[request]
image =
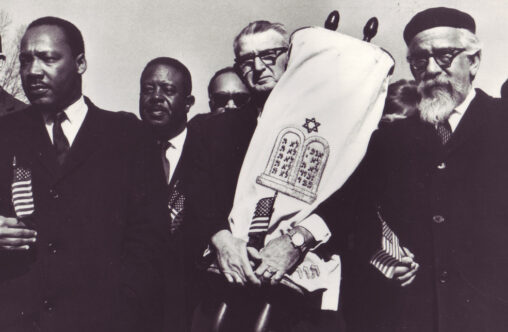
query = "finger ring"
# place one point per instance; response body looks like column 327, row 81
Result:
column 271, row 269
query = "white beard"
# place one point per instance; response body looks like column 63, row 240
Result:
column 438, row 101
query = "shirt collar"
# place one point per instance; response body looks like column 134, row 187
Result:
column 178, row 141
column 75, row 112
column 465, row 104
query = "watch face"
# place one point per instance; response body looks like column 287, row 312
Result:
column 297, row 239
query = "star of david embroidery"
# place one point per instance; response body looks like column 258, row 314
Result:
column 311, row 125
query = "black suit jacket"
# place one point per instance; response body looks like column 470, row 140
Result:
column 9, row 104
column 96, row 265
column 448, row 206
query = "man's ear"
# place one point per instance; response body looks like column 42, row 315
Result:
column 189, row 101
column 81, row 63
column 475, row 63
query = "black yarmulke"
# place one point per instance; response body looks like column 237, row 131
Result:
column 438, row 17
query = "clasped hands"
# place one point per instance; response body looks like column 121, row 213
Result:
column 405, row 272
column 244, row 265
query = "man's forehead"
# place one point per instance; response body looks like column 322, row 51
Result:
column 228, row 82
column 50, row 34
column 436, row 38
column 162, row 72
column 260, row 41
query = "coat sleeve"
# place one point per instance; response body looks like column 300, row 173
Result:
column 145, row 235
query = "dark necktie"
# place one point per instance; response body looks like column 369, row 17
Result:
column 444, row 132
column 60, row 142
column 164, row 146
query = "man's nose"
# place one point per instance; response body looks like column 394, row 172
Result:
column 156, row 95
column 35, row 68
column 230, row 105
column 259, row 65
column 433, row 68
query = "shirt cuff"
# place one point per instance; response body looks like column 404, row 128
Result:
column 317, row 227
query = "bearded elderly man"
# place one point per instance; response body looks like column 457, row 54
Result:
column 441, row 182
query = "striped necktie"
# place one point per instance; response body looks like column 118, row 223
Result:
column 444, row 132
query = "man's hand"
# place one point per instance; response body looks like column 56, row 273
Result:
column 406, row 272
column 232, row 258
column 15, row 235
column 279, row 256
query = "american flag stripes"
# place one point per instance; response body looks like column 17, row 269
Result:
column 261, row 221
column 22, row 196
column 390, row 254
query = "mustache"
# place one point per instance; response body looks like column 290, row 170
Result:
column 36, row 83
column 427, row 88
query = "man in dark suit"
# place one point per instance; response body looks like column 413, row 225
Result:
column 164, row 101
column 441, row 181
column 218, row 154
column 8, row 103
column 82, row 202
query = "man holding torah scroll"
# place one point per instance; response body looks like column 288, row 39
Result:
column 311, row 132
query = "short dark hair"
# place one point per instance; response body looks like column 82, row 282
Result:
column 218, row 73
column 257, row 27
column 71, row 32
column 170, row 62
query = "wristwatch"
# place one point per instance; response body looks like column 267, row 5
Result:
column 297, row 239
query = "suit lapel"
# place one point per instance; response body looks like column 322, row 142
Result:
column 423, row 133
column 88, row 140
column 35, row 139
column 472, row 120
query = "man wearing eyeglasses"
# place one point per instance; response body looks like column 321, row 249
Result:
column 442, row 183
column 245, row 278
column 227, row 91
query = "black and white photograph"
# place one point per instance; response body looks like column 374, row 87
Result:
column 264, row 166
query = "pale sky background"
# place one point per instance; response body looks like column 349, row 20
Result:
column 122, row 36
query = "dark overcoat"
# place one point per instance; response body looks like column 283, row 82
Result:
column 96, row 265
column 448, row 205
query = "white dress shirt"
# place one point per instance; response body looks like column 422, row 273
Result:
column 174, row 152
column 459, row 111
column 76, row 113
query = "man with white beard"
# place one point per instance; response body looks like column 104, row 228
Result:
column 440, row 181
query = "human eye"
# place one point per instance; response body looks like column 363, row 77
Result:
column 247, row 63
column 48, row 57
column 445, row 57
column 269, row 58
column 24, row 59
column 146, row 89
column 169, row 89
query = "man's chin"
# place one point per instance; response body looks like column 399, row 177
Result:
column 41, row 101
column 264, row 88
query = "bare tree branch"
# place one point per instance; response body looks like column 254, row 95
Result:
column 9, row 74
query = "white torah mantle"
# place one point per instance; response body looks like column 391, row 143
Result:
column 311, row 136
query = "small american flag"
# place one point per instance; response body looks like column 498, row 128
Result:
column 176, row 206
column 260, row 221
column 22, row 196
column 390, row 254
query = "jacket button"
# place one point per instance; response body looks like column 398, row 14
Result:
column 51, row 247
column 54, row 193
column 442, row 165
column 443, row 277
column 48, row 306
column 438, row 219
